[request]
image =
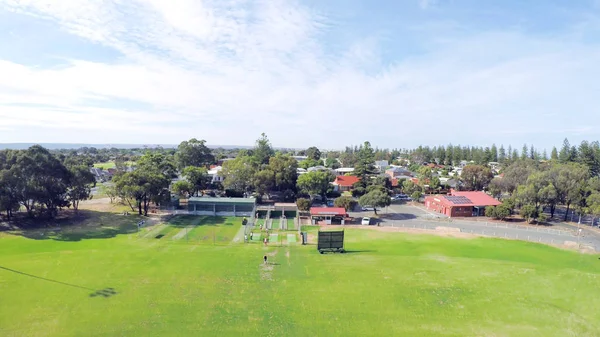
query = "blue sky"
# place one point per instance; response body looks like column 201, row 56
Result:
column 306, row 72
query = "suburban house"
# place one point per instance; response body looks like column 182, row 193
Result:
column 213, row 173
column 396, row 172
column 344, row 183
column 343, row 170
column 300, row 171
column 381, row 165
column 300, row 158
column 461, row 204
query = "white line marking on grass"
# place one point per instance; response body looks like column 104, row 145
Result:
column 182, row 232
column 154, row 232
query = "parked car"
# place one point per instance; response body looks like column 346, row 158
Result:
column 366, row 221
column 368, row 208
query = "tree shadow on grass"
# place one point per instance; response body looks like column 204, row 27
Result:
column 106, row 292
column 84, row 225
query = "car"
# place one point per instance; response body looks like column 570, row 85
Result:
column 365, row 221
column 368, row 208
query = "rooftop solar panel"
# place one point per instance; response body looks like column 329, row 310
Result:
column 458, row 200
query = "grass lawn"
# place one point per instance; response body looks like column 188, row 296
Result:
column 110, row 164
column 388, row 284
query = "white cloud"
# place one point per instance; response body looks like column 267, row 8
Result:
column 228, row 70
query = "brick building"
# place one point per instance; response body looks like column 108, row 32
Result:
column 461, row 204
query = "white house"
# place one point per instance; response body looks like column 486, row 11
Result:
column 214, row 174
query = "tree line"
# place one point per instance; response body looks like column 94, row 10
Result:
column 44, row 182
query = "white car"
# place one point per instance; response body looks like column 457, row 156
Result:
column 368, row 208
column 366, row 221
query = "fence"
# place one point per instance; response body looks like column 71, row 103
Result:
column 514, row 232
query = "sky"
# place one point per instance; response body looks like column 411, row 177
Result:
column 325, row 73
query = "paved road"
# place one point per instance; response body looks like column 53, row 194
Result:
column 403, row 215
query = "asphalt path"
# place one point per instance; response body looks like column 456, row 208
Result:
column 408, row 216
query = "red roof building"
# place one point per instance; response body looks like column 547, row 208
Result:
column 345, row 183
column 461, row 204
column 328, row 215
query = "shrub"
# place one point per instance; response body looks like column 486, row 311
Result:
column 490, row 212
column 303, row 204
column 416, row 196
column 502, row 212
column 529, row 212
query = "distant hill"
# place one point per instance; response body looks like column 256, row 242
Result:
column 59, row 146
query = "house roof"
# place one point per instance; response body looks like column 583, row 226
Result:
column 478, row 198
column 328, row 211
column 474, row 198
column 346, row 180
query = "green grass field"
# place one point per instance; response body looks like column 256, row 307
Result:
column 387, row 284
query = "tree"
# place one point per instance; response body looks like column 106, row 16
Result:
column 524, row 152
column 197, row 177
column 157, row 161
column 365, row 166
column 264, row 181
column 346, row 202
column 263, row 151
column 303, row 204
column 237, row 174
column 588, row 156
column 182, row 188
column 375, row 199
column 285, row 170
column 476, row 177
column 144, row 185
column 494, row 152
column 315, row 183
column 193, row 153
column 554, row 154
column 409, row 187
column 434, row 183
column 80, row 185
column 501, row 154
column 532, row 153
column 42, row 179
column 568, row 179
column 564, row 154
column 9, row 200
column 515, row 155
column 313, row 153
column 332, row 163
column 305, row 164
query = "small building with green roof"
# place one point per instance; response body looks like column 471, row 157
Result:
column 222, row 206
